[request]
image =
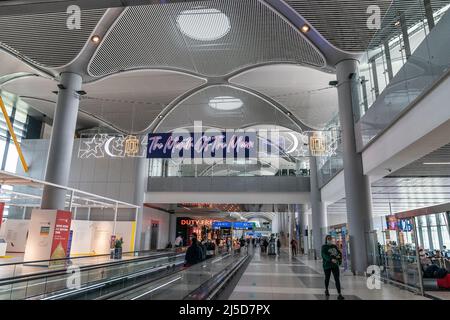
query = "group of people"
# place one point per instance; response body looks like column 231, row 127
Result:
column 198, row 251
column 434, row 263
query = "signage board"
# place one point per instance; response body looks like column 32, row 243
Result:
column 243, row 225
column 219, row 145
column 61, row 236
column 221, row 225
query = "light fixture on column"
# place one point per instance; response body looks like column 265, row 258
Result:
column 305, row 28
column 95, row 39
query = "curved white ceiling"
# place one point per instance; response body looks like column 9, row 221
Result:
column 254, row 111
column 304, row 91
column 149, row 36
column 129, row 100
column 9, row 64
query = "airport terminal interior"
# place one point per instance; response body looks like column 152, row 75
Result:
column 225, row 150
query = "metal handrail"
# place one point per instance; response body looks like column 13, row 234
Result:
column 54, row 273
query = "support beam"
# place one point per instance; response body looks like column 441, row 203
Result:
column 429, row 14
column 357, row 186
column 61, row 142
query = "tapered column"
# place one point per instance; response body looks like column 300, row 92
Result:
column 141, row 179
column 61, row 142
column 357, row 186
column 319, row 217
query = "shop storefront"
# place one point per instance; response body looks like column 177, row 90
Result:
column 202, row 227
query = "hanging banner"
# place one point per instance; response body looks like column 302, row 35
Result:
column 61, row 236
column 2, row 207
column 218, row 145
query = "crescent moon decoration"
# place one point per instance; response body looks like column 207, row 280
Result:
column 108, row 152
column 294, row 138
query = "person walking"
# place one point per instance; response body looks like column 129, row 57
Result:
column 332, row 258
column 179, row 241
column 278, row 246
column 294, row 247
column 194, row 253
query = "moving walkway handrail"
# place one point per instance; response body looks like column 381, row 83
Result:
column 73, row 258
column 108, row 281
column 54, row 273
column 209, row 289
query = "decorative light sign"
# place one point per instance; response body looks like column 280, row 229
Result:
column 212, row 146
column 114, row 146
column 205, row 145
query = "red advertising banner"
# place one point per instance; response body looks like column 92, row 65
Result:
column 2, row 207
column 61, row 235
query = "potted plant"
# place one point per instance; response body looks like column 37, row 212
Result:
column 118, row 249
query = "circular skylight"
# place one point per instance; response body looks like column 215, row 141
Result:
column 225, row 103
column 203, row 24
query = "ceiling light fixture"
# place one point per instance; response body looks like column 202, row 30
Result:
column 203, row 24
column 225, row 103
column 305, row 28
column 95, row 39
column 397, row 23
column 436, row 163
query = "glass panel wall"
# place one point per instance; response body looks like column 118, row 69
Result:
column 404, row 59
column 413, row 249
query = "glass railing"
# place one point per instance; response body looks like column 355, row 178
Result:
column 26, row 280
column 405, row 58
column 280, row 167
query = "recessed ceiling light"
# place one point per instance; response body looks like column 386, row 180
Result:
column 305, row 28
column 203, row 24
column 397, row 23
column 95, row 39
column 225, row 103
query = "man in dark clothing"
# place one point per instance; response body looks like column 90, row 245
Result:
column 278, row 246
column 194, row 253
column 332, row 258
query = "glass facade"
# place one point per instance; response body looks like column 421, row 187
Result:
column 19, row 118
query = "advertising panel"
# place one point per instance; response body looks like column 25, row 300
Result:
column 61, row 236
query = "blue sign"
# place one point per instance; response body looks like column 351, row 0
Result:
column 221, row 225
column 243, row 225
column 405, row 225
column 205, row 145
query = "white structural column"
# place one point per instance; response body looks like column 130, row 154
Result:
column 172, row 227
column 303, row 225
column 319, row 216
column 357, row 185
column 141, row 179
column 61, row 142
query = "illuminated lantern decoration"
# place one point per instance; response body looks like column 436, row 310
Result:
column 131, row 146
column 317, row 145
